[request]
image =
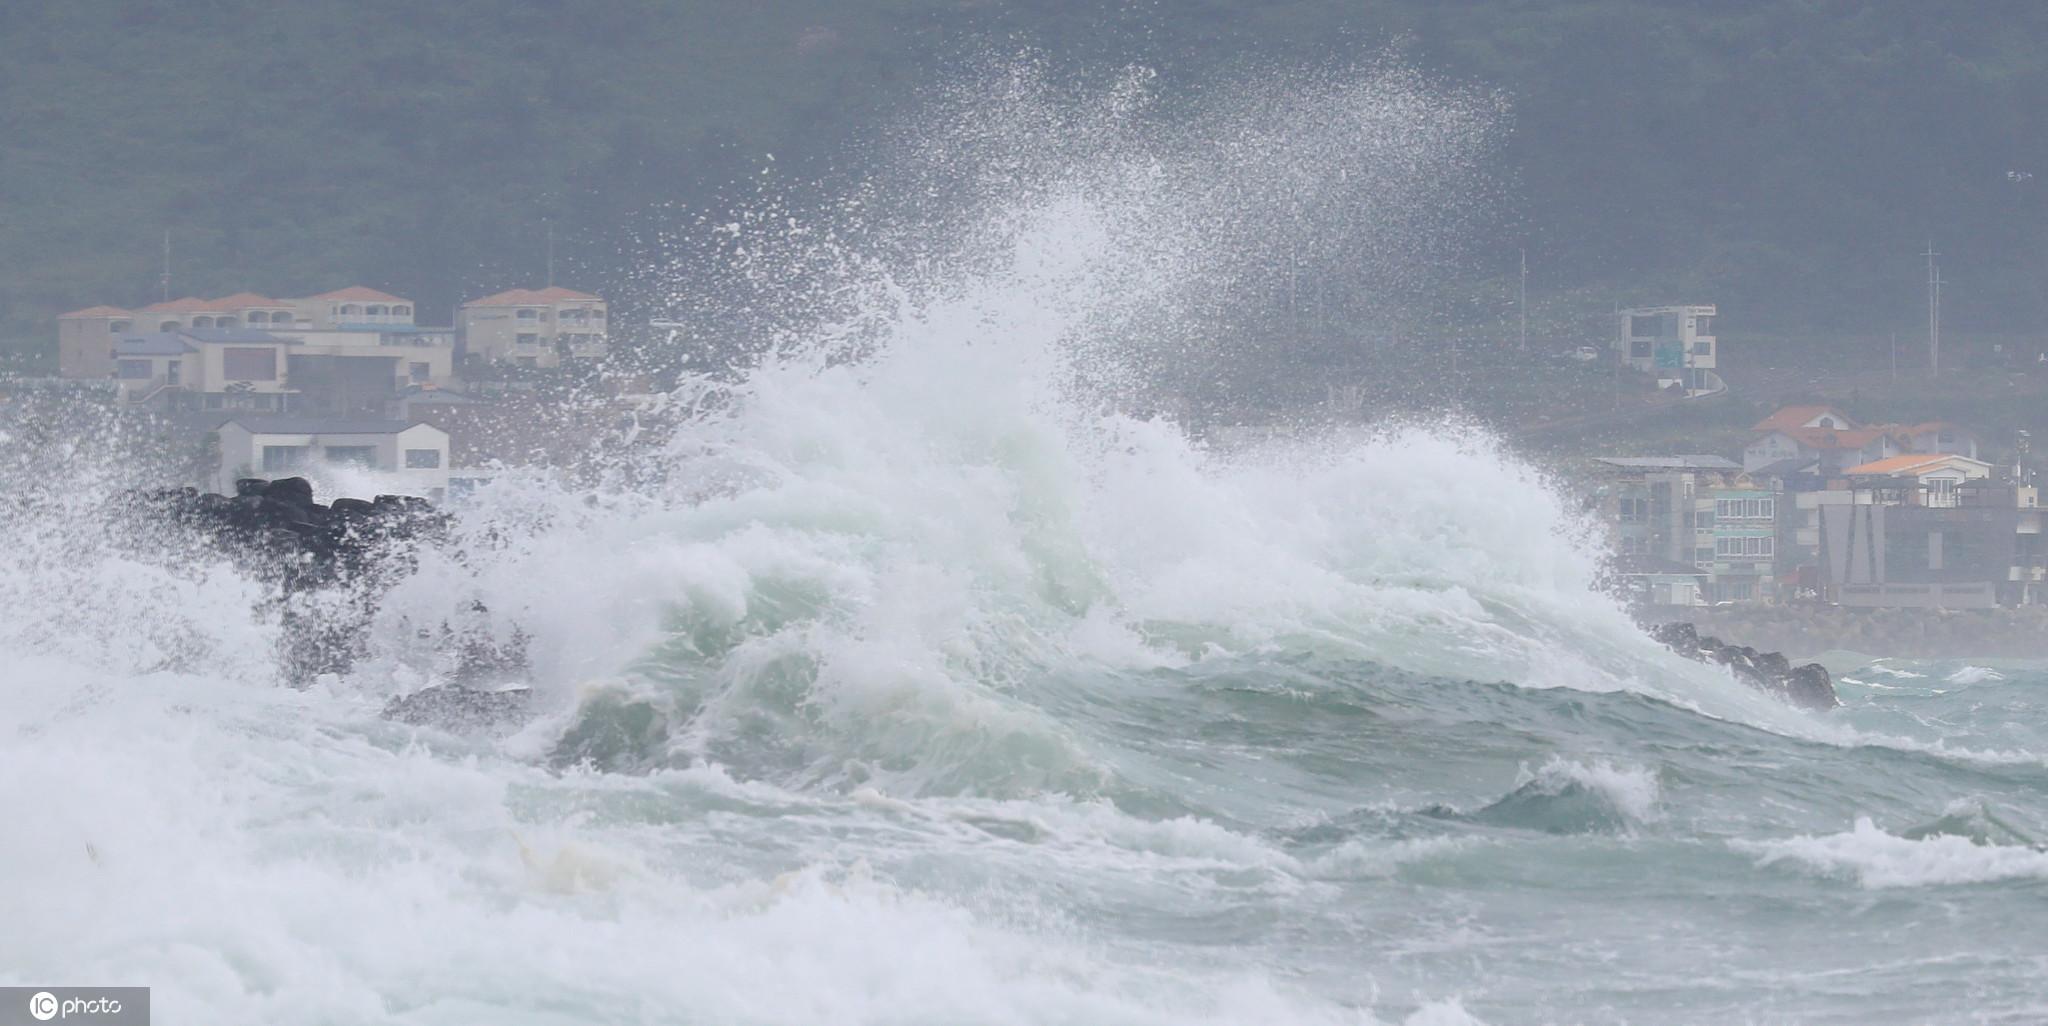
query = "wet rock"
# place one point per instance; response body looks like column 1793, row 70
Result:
column 329, row 565
column 462, row 710
column 1808, row 686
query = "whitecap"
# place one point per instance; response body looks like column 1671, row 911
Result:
column 1876, row 859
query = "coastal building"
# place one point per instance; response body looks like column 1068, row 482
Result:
column 1736, row 538
column 355, row 370
column 337, row 371
column 1827, row 451
column 1692, row 529
column 85, row 341
column 1917, row 479
column 357, row 306
column 400, row 458
column 1980, row 546
column 203, row 369
column 533, row 327
column 1831, row 441
column 86, row 338
column 1938, row 436
column 1673, row 344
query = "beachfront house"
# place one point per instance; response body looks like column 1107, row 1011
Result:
column 388, row 456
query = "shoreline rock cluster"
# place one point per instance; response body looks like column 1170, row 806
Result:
column 1808, row 686
column 330, row 565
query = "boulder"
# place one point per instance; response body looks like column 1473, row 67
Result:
column 462, row 710
column 1808, row 686
column 329, row 566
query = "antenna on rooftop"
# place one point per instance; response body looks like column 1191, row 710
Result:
column 164, row 283
column 551, row 254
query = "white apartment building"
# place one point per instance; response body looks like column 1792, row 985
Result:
column 339, row 456
column 533, row 327
column 1674, row 344
column 86, row 338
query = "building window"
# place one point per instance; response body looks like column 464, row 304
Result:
column 1702, row 349
column 117, row 327
column 376, row 309
column 527, row 338
column 1635, row 510
column 422, row 459
column 202, row 322
column 401, row 311
column 172, row 372
column 135, row 370
column 282, row 457
column 419, row 371
column 528, row 315
column 359, row 455
column 597, row 314
column 1703, row 555
column 350, row 310
column 1639, row 349
column 249, row 364
column 167, row 326
column 258, row 317
column 1703, row 325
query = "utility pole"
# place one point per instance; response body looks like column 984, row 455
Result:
column 1895, row 357
column 1934, row 284
column 164, row 283
column 1522, row 302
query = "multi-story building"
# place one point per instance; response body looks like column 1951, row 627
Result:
column 401, row 458
column 334, row 371
column 1896, row 539
column 1917, row 479
column 203, row 369
column 1736, row 539
column 357, row 306
column 533, row 327
column 1673, row 344
column 86, row 338
column 1696, row 516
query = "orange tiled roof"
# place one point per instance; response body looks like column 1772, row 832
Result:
column 1829, row 438
column 183, row 304
column 225, row 304
column 96, row 311
column 519, row 297
column 1796, row 417
column 1897, row 465
column 1937, row 425
column 361, row 294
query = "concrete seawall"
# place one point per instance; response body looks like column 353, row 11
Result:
column 2020, row 633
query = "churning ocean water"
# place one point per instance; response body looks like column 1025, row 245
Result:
column 907, row 680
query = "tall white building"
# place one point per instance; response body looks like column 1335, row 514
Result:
column 1674, row 344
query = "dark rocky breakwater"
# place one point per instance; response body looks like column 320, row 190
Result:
column 1808, row 686
column 329, row 565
